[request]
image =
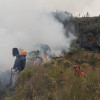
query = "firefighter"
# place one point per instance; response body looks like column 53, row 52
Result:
column 78, row 71
column 81, row 73
column 77, row 68
column 19, row 66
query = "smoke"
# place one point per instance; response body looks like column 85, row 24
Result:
column 5, row 77
column 24, row 25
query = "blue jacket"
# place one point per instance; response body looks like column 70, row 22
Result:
column 20, row 63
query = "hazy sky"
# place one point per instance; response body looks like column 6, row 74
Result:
column 73, row 6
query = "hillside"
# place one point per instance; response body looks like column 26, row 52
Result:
column 57, row 79
column 88, row 29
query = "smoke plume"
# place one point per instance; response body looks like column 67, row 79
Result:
column 24, row 26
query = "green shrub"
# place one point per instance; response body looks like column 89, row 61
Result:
column 26, row 74
column 74, row 49
column 47, row 65
column 67, row 63
column 55, row 72
column 85, row 65
column 53, row 62
column 60, row 60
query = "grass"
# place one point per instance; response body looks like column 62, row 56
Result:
column 57, row 80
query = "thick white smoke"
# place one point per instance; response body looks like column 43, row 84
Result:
column 25, row 28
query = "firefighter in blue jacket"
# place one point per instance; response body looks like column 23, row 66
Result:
column 19, row 66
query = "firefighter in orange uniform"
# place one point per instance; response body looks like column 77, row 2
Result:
column 78, row 71
column 82, row 74
column 77, row 68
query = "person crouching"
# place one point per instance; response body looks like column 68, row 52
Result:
column 79, row 71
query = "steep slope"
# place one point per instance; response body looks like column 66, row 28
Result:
column 89, row 32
